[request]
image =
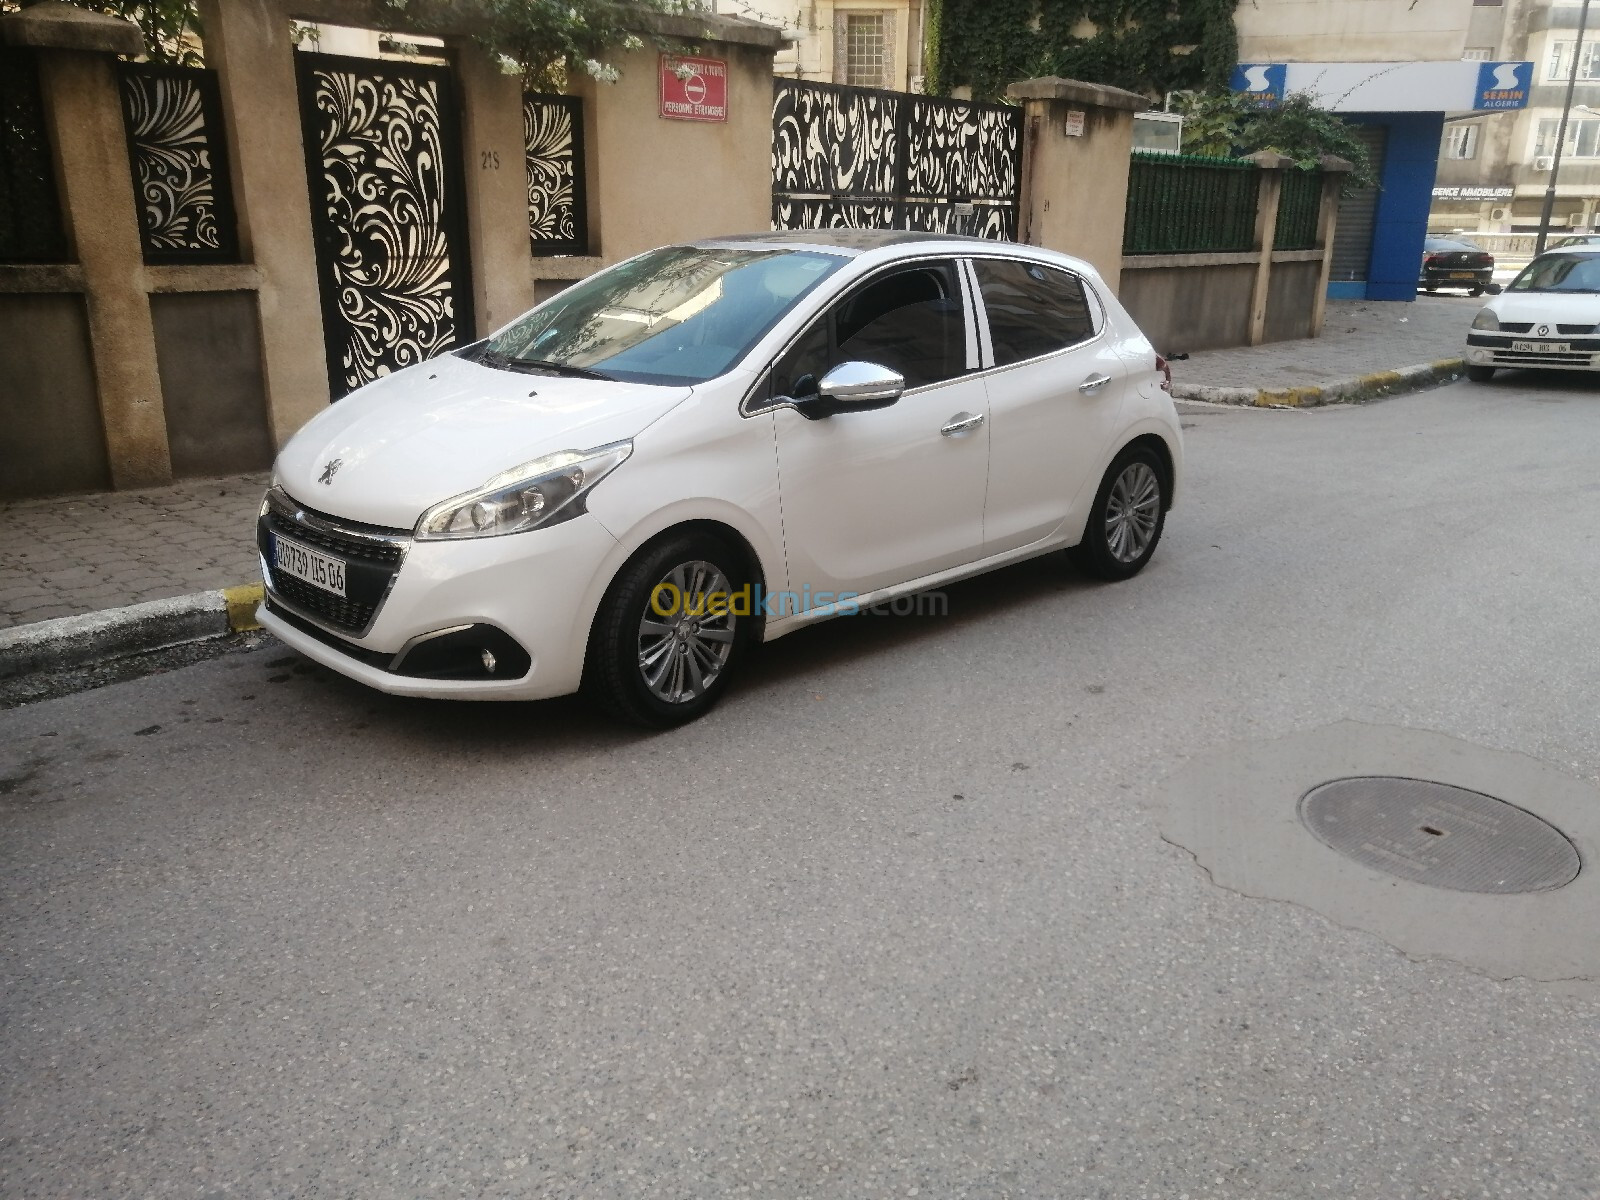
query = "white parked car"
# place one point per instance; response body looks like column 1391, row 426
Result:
column 1547, row 317
column 711, row 445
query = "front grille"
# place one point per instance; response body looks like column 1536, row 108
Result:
column 372, row 558
column 1576, row 329
column 1516, row 326
column 1529, row 358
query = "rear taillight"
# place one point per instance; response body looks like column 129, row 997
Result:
column 1165, row 368
column 1429, row 260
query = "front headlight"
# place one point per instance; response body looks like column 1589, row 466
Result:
column 1485, row 320
column 546, row 491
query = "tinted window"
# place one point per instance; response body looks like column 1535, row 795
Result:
column 1033, row 310
column 910, row 321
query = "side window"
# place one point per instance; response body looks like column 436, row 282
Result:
column 1033, row 310
column 911, row 322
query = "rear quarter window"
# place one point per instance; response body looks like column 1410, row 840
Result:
column 1033, row 310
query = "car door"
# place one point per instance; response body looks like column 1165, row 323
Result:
column 1055, row 389
column 872, row 499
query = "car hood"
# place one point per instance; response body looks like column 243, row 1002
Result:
column 1571, row 308
column 390, row 450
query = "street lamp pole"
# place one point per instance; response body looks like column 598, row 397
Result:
column 1561, row 133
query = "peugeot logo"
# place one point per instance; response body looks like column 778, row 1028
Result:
column 329, row 469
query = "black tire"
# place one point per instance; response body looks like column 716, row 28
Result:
column 1475, row 291
column 1480, row 374
column 614, row 675
column 1103, row 552
column 1430, row 288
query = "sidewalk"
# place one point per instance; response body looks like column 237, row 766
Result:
column 1359, row 337
column 80, row 554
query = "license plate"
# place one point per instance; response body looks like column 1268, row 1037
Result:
column 313, row 566
column 1463, row 275
column 1543, row 347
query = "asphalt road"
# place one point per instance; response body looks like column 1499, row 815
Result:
column 896, row 920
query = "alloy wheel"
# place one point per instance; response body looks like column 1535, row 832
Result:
column 1133, row 510
column 687, row 632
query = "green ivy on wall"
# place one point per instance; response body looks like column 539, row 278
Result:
column 1148, row 46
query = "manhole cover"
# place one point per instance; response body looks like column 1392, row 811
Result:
column 1440, row 835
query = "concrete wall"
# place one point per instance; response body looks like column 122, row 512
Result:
column 1275, row 31
column 1291, row 300
column 1187, row 308
column 654, row 181
column 50, row 430
column 208, row 345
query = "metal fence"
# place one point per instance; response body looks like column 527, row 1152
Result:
column 30, row 214
column 1299, row 206
column 1185, row 204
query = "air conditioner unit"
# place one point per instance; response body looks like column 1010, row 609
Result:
column 1575, row 220
column 1543, row 162
column 1499, row 214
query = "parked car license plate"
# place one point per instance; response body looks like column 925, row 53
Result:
column 1463, row 275
column 316, row 568
column 1543, row 347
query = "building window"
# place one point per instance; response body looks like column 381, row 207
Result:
column 1583, row 138
column 866, row 49
column 1478, row 53
column 1558, row 67
column 1461, row 141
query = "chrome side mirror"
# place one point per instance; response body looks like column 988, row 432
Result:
column 852, row 387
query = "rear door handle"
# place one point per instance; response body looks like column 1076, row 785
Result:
column 1094, row 383
column 962, row 422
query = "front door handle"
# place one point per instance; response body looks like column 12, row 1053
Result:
column 1094, row 383
column 962, row 422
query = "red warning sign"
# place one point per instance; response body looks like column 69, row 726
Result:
column 694, row 89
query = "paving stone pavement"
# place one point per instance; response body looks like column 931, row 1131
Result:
column 77, row 554
column 1358, row 337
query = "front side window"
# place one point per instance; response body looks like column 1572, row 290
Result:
column 910, row 321
column 680, row 315
column 1033, row 310
column 1560, row 273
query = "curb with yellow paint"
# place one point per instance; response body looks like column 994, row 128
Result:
column 100, row 637
column 1355, row 390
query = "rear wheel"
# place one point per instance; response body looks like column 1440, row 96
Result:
column 1477, row 291
column 668, row 634
column 1125, row 523
column 1480, row 374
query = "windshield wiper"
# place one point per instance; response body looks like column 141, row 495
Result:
column 555, row 368
column 501, row 361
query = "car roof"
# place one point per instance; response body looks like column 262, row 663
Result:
column 853, row 241
column 1586, row 248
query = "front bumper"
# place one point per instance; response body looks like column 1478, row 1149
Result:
column 529, row 588
column 1495, row 350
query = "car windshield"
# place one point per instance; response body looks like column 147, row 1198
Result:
column 678, row 315
column 1560, row 273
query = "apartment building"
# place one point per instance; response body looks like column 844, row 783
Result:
column 869, row 43
column 1494, row 168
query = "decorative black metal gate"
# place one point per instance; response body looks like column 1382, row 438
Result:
column 384, row 160
column 859, row 157
column 173, row 118
column 552, row 140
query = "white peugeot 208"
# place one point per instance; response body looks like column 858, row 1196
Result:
column 711, row 445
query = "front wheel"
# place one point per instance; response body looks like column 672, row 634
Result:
column 669, row 632
column 1129, row 512
column 1480, row 374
